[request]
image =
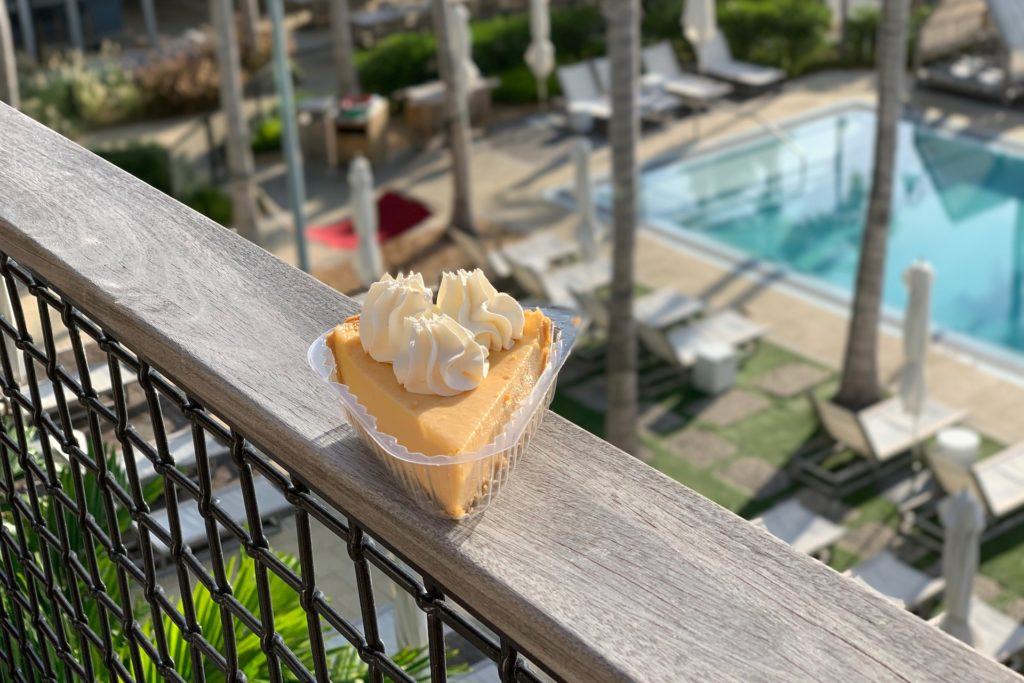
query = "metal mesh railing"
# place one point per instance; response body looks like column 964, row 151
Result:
column 119, row 491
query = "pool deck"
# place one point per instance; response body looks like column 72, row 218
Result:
column 995, row 398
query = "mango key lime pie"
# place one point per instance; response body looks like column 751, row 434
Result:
column 448, row 393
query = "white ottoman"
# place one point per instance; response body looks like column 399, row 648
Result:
column 958, row 445
column 715, row 369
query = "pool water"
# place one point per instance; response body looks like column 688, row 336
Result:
column 958, row 203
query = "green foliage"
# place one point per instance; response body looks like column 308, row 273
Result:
column 406, row 59
column 212, row 203
column 790, row 34
column 70, row 93
column 398, row 61
column 266, row 134
column 146, row 161
column 861, row 31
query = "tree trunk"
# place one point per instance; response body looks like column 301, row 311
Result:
column 240, row 163
column 9, row 91
column 344, row 52
column 457, row 111
column 860, row 386
column 623, row 34
column 250, row 12
column 74, row 24
column 149, row 19
column 28, row 30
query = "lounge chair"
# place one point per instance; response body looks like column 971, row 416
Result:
column 658, row 310
column 880, row 434
column 996, row 635
column 997, row 482
column 181, row 449
column 583, row 99
column 680, row 345
column 493, row 262
column 955, row 26
column 695, row 90
column 99, row 377
column 897, row 581
column 801, row 528
column 655, row 103
column 272, row 505
column 714, row 58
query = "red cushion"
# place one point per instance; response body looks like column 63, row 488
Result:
column 396, row 213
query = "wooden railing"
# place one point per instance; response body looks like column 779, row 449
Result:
column 591, row 564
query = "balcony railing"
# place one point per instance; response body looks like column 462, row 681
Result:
column 591, row 565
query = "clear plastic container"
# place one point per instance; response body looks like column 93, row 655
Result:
column 461, row 485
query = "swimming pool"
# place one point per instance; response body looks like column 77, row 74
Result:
column 799, row 201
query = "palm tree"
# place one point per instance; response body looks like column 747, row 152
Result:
column 250, row 11
column 457, row 106
column 860, row 386
column 240, row 163
column 341, row 39
column 9, row 92
column 623, row 34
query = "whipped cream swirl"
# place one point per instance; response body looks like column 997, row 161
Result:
column 494, row 318
column 439, row 356
column 388, row 303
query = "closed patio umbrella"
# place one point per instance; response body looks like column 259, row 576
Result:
column 586, row 229
column 540, row 55
column 918, row 280
column 462, row 44
column 963, row 521
column 699, row 22
column 364, row 215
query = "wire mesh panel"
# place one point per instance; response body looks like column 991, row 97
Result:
column 144, row 538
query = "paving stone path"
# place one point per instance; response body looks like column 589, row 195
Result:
column 791, row 379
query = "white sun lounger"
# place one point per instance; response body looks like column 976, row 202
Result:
column 996, row 635
column 680, row 345
column 801, row 528
column 546, row 247
column 658, row 310
column 182, row 451
column 897, row 581
column 655, row 103
column 584, row 101
column 696, row 90
column 997, row 482
column 272, row 504
column 714, row 58
column 99, row 376
column 879, row 434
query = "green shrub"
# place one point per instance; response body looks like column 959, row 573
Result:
column 790, row 34
column 406, row 59
column 398, row 61
column 660, row 20
column 266, row 134
column 861, row 31
column 146, row 161
column 211, row 202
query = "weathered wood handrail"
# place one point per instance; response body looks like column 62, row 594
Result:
column 598, row 565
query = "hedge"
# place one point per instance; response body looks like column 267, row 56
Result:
column 790, row 34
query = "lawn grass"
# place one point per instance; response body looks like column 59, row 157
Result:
column 774, row 435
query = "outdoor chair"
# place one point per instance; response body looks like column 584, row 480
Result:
column 679, row 345
column 181, row 448
column 714, row 58
column 994, row 634
column 897, row 581
column 557, row 285
column 493, row 261
column 997, row 482
column 696, row 91
column 658, row 310
column 806, row 531
column 99, row 377
column 881, row 435
column 272, row 505
column 584, row 101
column 655, row 103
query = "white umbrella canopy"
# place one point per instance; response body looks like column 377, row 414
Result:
column 540, row 55
column 918, row 280
column 963, row 521
column 586, row 229
column 699, row 22
column 364, row 212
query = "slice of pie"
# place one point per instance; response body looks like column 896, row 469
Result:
column 446, row 425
